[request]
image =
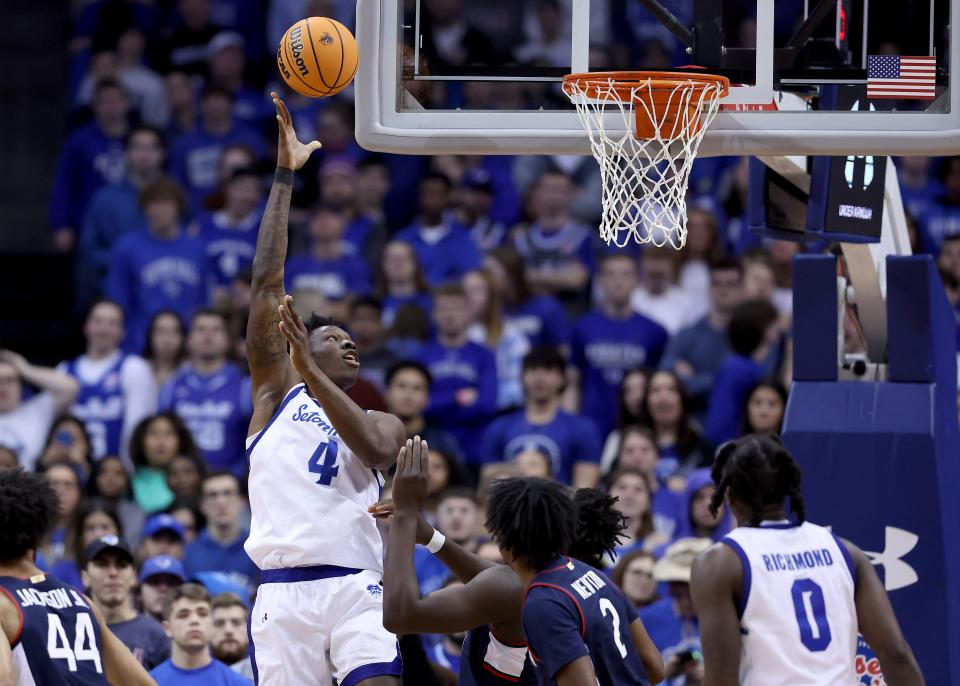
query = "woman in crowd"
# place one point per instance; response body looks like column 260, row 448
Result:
column 698, row 521
column 166, row 346
column 187, row 512
column 94, row 518
column 110, row 481
column 66, row 480
column 634, row 496
column 766, row 404
column 633, row 391
column 155, row 442
column 681, row 443
column 68, row 441
column 634, row 576
column 400, row 281
column 185, row 475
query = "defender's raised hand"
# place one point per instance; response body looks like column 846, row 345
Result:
column 410, row 483
column 293, row 329
column 291, row 153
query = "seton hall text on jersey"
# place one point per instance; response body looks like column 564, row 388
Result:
column 794, row 562
column 314, row 417
column 588, row 584
column 57, row 598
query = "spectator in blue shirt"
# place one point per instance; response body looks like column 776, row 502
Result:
column 463, row 397
column 219, row 547
column 446, row 249
column 942, row 216
column 332, row 266
column 610, row 341
column 187, row 619
column 570, row 441
column 475, row 208
column 115, row 211
column 226, row 64
column 211, row 395
column 557, row 249
column 159, row 267
column 229, row 234
column 696, row 352
column 194, row 156
column 754, row 330
column 401, row 281
column 91, row 158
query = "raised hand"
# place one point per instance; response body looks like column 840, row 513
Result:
column 383, row 511
column 291, row 153
column 293, row 329
column 410, row 483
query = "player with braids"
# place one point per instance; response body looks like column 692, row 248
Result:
column 534, row 515
column 745, row 585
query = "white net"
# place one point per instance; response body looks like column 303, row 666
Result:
column 644, row 179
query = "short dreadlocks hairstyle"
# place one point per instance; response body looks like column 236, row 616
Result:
column 317, row 321
column 28, row 511
column 535, row 519
column 758, row 471
column 599, row 526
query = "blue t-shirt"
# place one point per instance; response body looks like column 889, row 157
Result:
column 336, row 279
column 145, row 638
column 431, row 572
column 572, row 610
column 216, row 408
column 470, row 366
column 113, row 212
column 214, row 674
column 605, row 349
column 555, row 249
column 543, row 320
column 449, row 258
column 567, row 439
column 149, row 274
column 939, row 221
column 229, row 249
column 206, row 555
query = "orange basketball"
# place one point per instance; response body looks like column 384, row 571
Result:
column 317, row 57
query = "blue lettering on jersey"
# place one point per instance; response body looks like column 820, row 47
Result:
column 328, row 469
column 791, row 562
column 314, row 417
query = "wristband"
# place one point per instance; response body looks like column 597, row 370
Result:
column 283, row 175
column 436, row 542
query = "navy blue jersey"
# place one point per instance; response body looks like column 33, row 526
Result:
column 488, row 661
column 571, row 610
column 59, row 640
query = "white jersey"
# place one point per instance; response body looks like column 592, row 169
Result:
column 797, row 614
column 309, row 493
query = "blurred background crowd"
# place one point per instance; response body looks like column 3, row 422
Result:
column 488, row 315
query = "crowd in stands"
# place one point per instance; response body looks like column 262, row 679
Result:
column 487, row 314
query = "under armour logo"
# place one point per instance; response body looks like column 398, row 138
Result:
column 896, row 544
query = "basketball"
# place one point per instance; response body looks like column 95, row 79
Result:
column 317, row 57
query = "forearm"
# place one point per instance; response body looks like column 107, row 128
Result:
column 401, row 590
column 272, row 239
column 63, row 387
column 461, row 562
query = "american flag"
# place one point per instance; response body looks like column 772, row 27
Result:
column 903, row 78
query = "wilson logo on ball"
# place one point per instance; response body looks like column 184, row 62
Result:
column 296, row 48
column 282, row 65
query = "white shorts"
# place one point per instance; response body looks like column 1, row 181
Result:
column 313, row 625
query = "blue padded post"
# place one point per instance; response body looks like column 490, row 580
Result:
column 815, row 318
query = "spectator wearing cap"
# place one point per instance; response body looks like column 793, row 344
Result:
column 24, row 424
column 162, row 535
column 229, row 234
column 91, row 158
column 195, row 156
column 570, row 441
column 331, row 266
column 183, row 45
column 672, row 621
column 226, row 64
column 158, row 575
column 157, row 267
column 231, row 644
column 474, row 211
column 188, row 621
column 445, row 248
column 115, row 211
column 109, row 575
column 219, row 547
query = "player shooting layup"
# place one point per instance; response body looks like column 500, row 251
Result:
column 315, row 458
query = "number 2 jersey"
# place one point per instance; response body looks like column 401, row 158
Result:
column 309, row 493
column 797, row 614
column 571, row 610
column 59, row 640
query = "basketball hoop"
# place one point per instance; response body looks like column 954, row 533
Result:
column 645, row 129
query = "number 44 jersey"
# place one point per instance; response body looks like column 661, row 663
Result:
column 59, row 639
column 797, row 614
column 309, row 493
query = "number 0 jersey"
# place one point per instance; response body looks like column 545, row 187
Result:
column 797, row 613
column 59, row 640
column 309, row 493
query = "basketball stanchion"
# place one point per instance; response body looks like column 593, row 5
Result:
column 645, row 129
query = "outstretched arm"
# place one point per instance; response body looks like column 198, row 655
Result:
column 63, row 387
column 270, row 370
column 879, row 626
column 715, row 583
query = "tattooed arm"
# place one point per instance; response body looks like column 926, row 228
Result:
column 270, row 369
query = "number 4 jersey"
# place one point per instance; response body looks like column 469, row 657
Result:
column 797, row 614
column 59, row 639
column 309, row 493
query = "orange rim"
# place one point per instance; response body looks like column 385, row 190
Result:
column 622, row 83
